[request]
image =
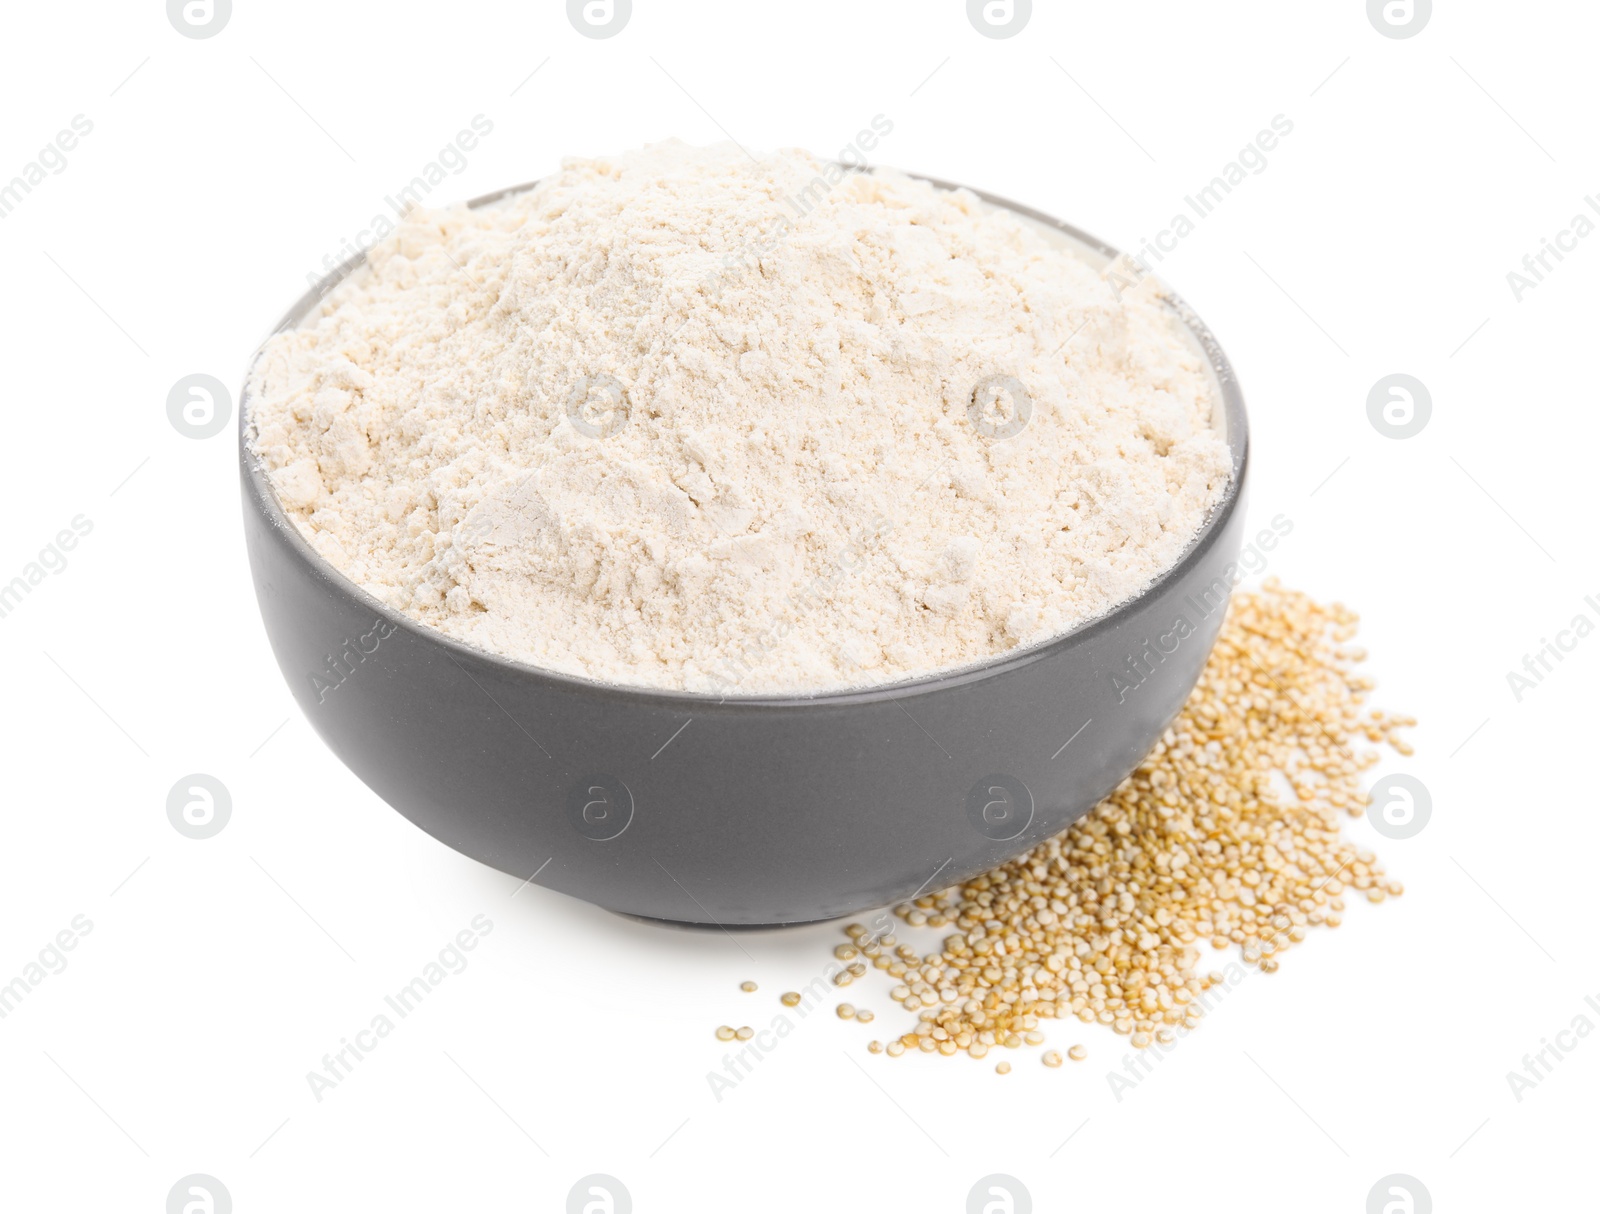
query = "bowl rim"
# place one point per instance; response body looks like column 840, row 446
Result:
column 263, row 498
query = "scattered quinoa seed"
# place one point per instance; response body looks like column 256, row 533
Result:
column 747, row 986
column 1105, row 922
column 745, row 1033
column 1051, row 1058
column 1002, row 1068
column 790, row 999
column 846, row 1011
column 725, row 1033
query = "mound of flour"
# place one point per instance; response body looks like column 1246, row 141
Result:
column 678, row 419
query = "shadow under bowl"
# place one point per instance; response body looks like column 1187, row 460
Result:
column 749, row 811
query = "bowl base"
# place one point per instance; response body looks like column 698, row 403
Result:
column 686, row 926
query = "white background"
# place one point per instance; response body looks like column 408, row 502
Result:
column 218, row 973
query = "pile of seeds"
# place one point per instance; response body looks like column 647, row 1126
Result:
column 1201, row 845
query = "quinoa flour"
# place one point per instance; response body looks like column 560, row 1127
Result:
column 683, row 419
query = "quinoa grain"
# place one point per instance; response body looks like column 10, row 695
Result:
column 1105, row 921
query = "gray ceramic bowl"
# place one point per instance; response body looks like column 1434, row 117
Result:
column 751, row 810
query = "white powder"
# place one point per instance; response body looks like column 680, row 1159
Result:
column 791, row 493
